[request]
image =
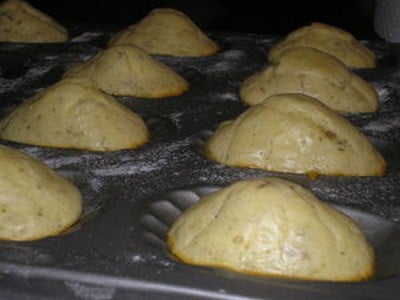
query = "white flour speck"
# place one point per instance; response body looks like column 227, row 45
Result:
column 87, row 36
column 383, row 90
column 176, row 118
column 229, row 96
column 137, row 259
column 130, row 170
column 90, row 292
column 153, row 160
column 383, row 125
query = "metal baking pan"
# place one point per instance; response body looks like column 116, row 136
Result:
column 117, row 250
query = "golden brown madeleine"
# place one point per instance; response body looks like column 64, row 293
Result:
column 21, row 22
column 314, row 73
column 73, row 113
column 167, row 31
column 272, row 227
column 297, row 134
column 127, row 70
column 35, row 202
column 335, row 41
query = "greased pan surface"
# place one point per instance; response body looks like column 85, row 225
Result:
column 117, row 250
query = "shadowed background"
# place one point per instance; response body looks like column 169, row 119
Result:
column 268, row 17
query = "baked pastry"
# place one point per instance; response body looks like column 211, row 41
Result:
column 72, row 113
column 272, row 226
column 337, row 42
column 127, row 70
column 296, row 134
column 167, row 31
column 21, row 22
column 35, row 202
column 314, row 73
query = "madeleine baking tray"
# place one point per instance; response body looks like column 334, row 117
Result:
column 117, row 250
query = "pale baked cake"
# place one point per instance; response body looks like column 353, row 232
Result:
column 73, row 113
column 21, row 22
column 167, row 31
column 35, row 202
column 333, row 40
column 127, row 70
column 295, row 133
column 314, row 73
column 272, row 227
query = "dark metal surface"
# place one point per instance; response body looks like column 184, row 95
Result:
column 117, row 249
